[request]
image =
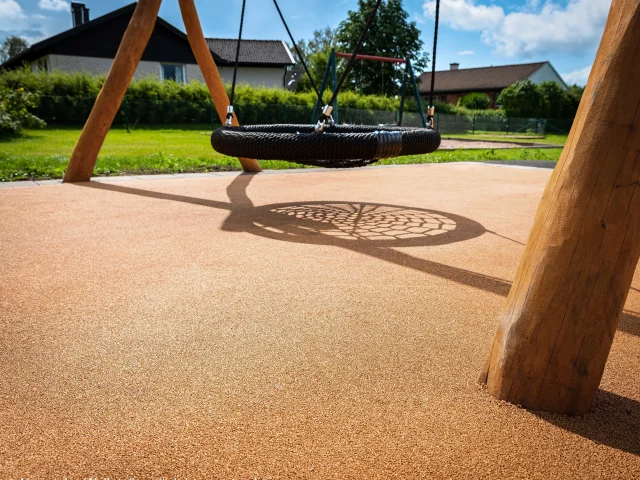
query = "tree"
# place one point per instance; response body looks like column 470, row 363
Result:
column 323, row 40
column 554, row 101
column 391, row 35
column 522, row 99
column 316, row 55
column 12, row 46
column 546, row 100
column 574, row 95
column 475, row 101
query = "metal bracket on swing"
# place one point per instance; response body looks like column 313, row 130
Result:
column 431, row 117
column 326, row 116
column 229, row 121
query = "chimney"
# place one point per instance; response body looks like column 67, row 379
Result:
column 79, row 14
column 454, row 66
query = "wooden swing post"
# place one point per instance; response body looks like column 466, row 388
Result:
column 210, row 71
column 556, row 330
column 133, row 43
column 132, row 46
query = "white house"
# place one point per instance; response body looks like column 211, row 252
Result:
column 91, row 45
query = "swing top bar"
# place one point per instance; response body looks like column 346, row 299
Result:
column 372, row 57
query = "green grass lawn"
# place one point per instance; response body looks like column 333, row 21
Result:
column 40, row 154
column 547, row 140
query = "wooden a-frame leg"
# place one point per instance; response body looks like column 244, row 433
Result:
column 555, row 333
column 210, row 70
column 134, row 41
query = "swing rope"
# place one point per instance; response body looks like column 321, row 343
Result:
column 235, row 68
column 295, row 46
column 326, row 111
column 433, row 65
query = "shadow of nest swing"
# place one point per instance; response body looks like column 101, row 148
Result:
column 356, row 224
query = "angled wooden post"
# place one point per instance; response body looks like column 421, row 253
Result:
column 556, row 330
column 133, row 43
column 210, row 70
column 135, row 39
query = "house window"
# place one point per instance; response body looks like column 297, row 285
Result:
column 40, row 65
column 173, row 71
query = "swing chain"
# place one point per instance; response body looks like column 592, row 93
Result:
column 325, row 117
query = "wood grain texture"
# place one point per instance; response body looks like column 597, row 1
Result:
column 555, row 333
column 210, row 71
column 134, row 41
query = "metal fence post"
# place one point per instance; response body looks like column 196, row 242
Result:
column 507, row 125
column 211, row 116
column 125, row 104
column 473, row 125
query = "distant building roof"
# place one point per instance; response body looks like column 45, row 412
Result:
column 271, row 52
column 483, row 78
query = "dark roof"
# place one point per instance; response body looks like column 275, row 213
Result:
column 484, row 78
column 263, row 52
column 272, row 52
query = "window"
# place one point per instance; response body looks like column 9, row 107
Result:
column 172, row 71
column 40, row 65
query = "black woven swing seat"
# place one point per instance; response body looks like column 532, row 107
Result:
column 338, row 146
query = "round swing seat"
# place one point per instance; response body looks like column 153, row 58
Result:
column 338, row 146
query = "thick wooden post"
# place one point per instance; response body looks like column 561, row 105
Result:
column 134, row 41
column 556, row 330
column 210, row 70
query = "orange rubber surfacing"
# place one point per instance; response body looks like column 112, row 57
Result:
column 247, row 327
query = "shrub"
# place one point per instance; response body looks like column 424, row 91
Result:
column 475, row 101
column 67, row 98
column 546, row 100
column 522, row 99
column 554, row 101
column 14, row 111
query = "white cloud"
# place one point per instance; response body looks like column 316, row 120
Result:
column 530, row 30
column 10, row 12
column 57, row 5
column 577, row 76
column 465, row 14
column 12, row 16
column 14, row 21
column 464, row 53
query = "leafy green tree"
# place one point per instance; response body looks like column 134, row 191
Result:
column 475, row 101
column 316, row 54
column 574, row 95
column 555, row 101
column 317, row 64
column 323, row 40
column 522, row 99
column 12, row 46
column 391, row 35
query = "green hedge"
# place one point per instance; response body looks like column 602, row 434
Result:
column 67, row 98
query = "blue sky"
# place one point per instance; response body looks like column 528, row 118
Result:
column 473, row 32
